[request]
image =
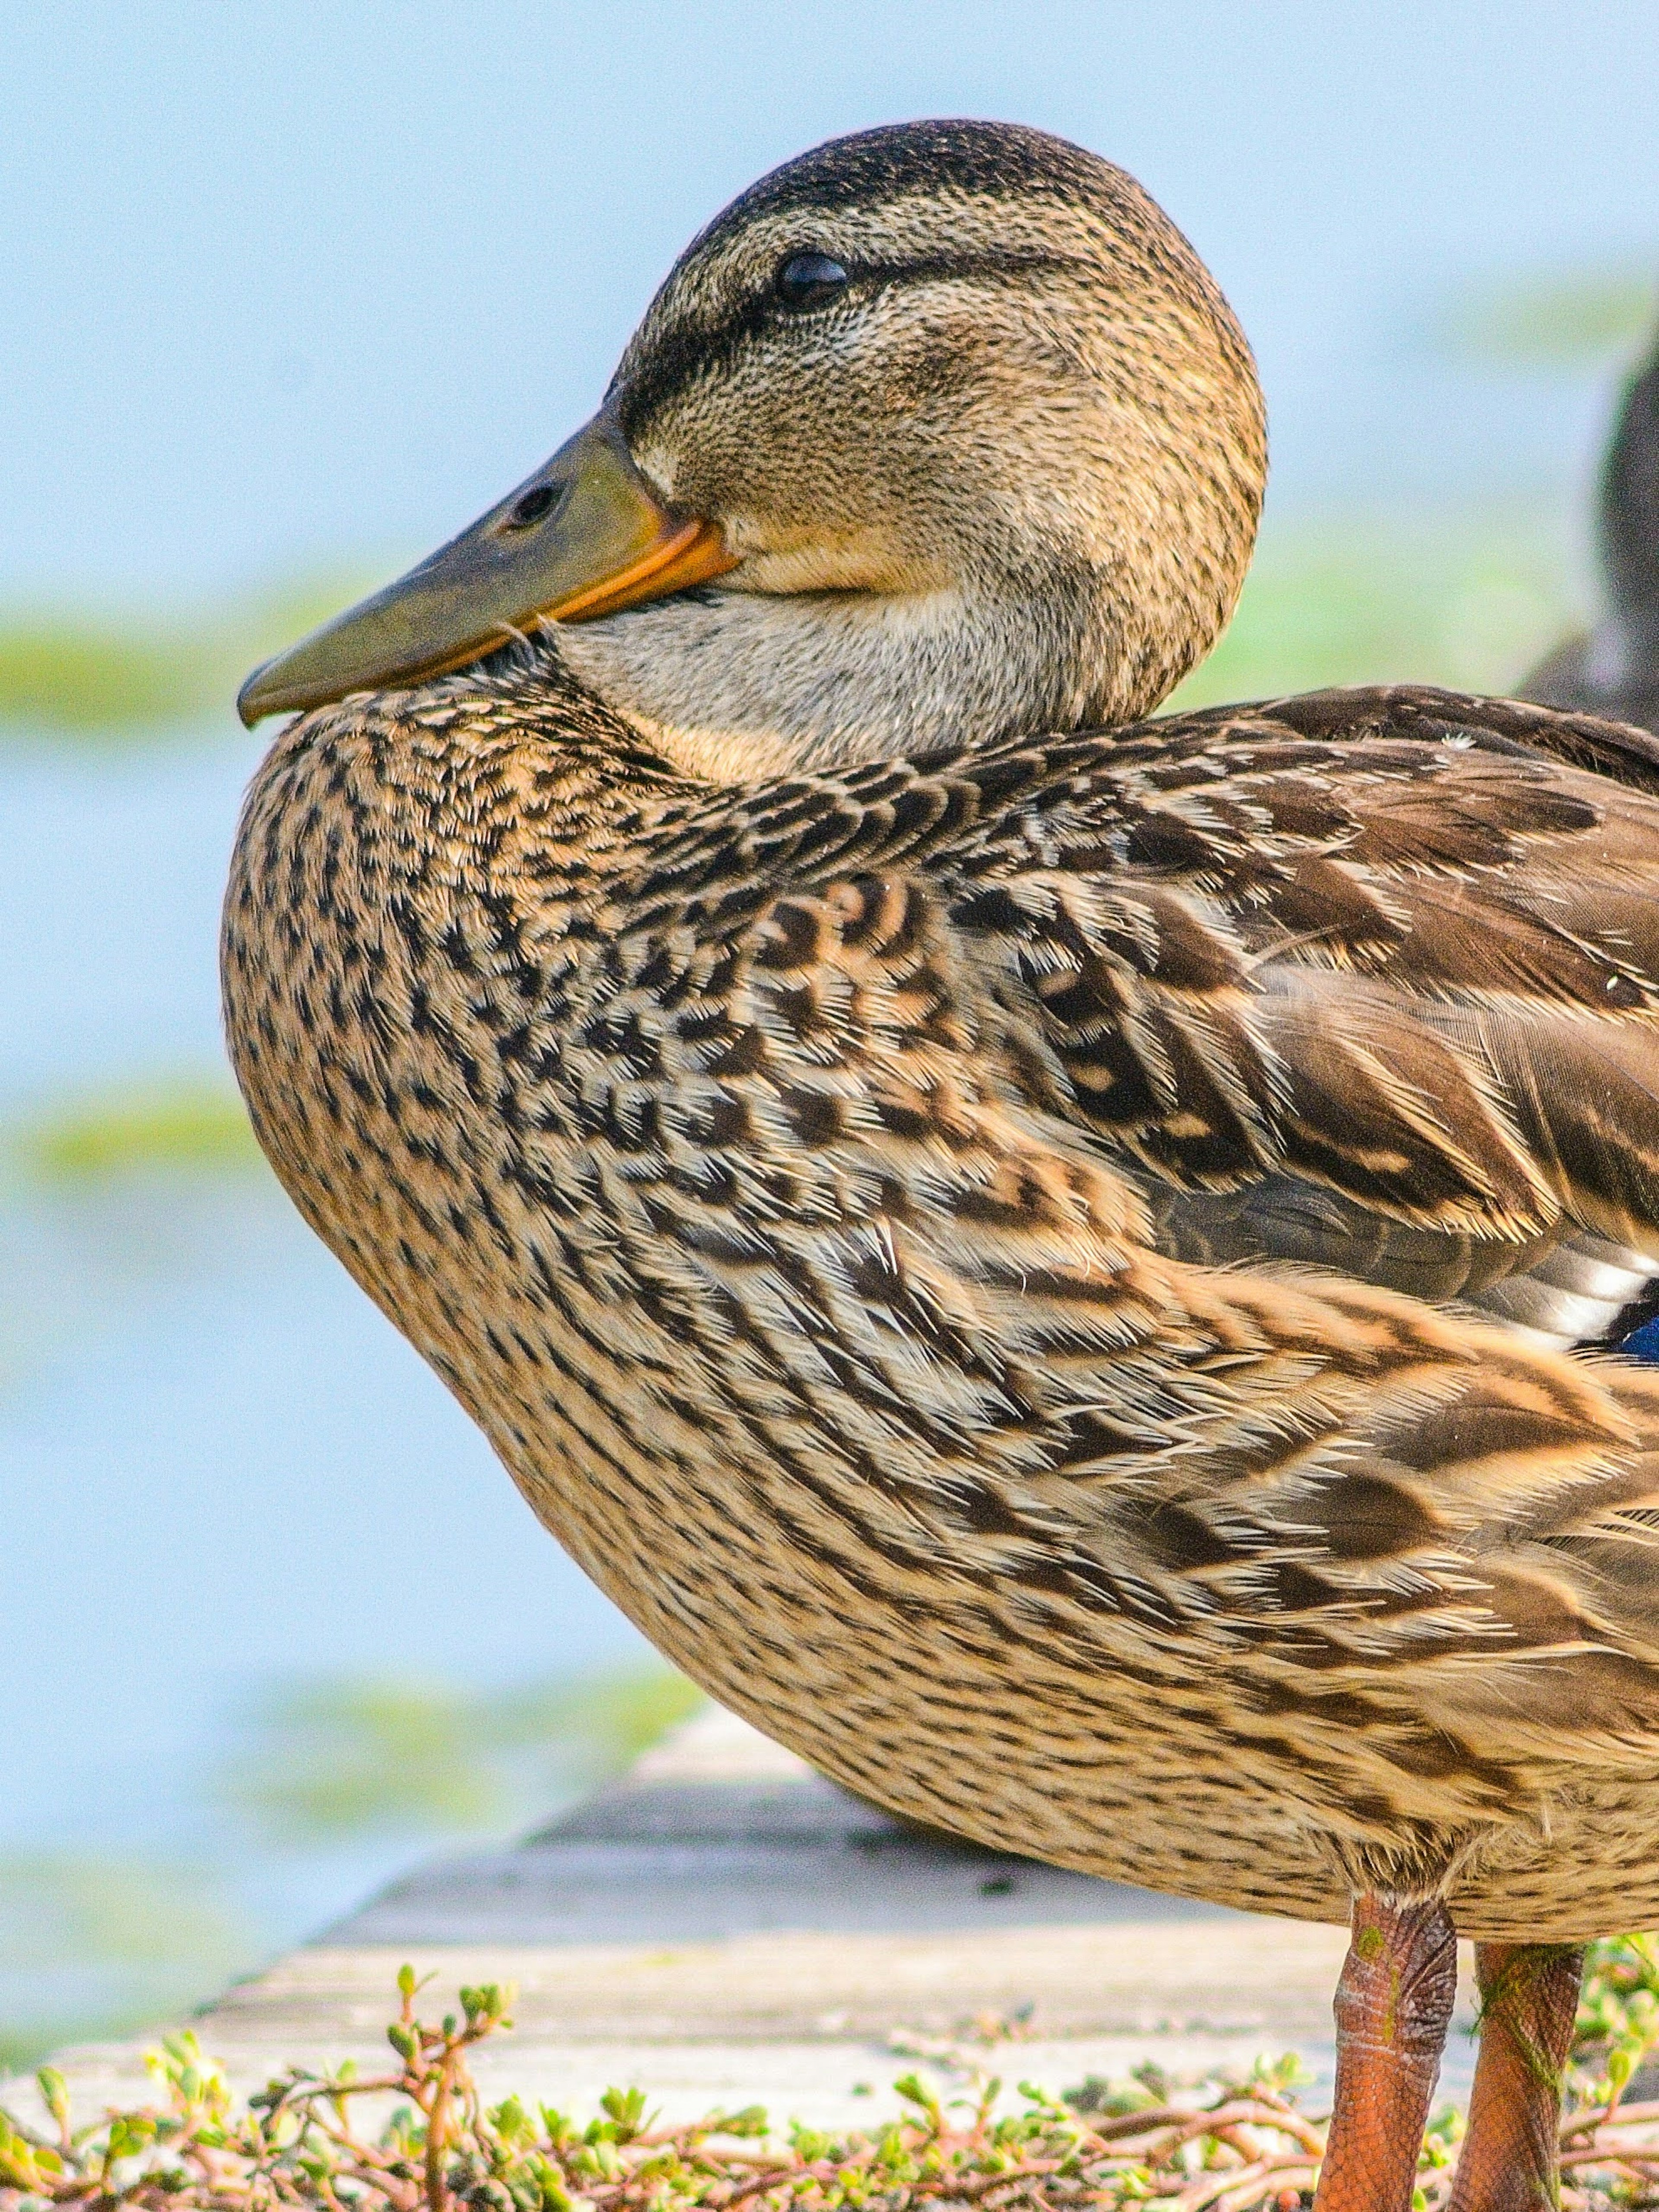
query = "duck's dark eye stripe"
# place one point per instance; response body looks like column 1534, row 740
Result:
column 684, row 355
column 806, row 279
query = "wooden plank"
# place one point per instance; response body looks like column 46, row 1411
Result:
column 727, row 1928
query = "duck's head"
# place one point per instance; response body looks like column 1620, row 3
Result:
column 941, row 433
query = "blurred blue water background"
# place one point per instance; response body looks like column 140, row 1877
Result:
column 294, row 293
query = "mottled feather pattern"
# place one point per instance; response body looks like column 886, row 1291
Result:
column 981, row 1255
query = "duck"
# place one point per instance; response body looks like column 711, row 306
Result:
column 1613, row 669
column 1056, row 1258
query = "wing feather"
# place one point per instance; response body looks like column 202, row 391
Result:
column 1394, row 947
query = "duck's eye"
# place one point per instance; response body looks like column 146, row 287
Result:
column 807, row 280
column 532, row 507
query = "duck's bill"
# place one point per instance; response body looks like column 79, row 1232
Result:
column 584, row 536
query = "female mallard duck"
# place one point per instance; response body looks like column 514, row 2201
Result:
column 1615, row 669
column 1031, row 1250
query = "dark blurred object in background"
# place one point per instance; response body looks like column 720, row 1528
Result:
column 1614, row 668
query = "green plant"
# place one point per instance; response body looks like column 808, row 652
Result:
column 298, row 2142
column 1618, row 2023
column 1240, row 2145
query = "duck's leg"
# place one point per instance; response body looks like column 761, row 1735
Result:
column 1393, row 2005
column 1529, row 1996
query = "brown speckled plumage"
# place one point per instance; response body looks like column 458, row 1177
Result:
column 1039, row 1270
column 771, row 1171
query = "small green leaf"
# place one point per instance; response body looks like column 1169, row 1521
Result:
column 627, row 2108
column 54, row 2094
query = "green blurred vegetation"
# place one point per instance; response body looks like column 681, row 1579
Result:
column 131, row 678
column 111, row 1197
column 183, row 1123
column 1551, row 319
column 1470, row 602
column 98, row 1946
column 347, row 1756
column 73, row 676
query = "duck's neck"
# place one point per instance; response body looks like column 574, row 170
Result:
column 732, row 685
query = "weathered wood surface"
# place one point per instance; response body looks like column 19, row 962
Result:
column 725, row 1927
